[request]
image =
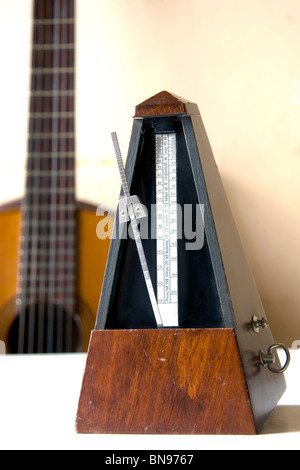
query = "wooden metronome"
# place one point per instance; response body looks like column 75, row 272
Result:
column 181, row 344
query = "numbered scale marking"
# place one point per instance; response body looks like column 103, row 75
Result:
column 166, row 228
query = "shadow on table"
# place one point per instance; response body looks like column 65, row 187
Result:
column 283, row 419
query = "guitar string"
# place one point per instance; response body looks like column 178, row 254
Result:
column 26, row 256
column 62, row 230
column 69, row 296
column 56, row 85
column 64, row 316
column 57, row 308
column 43, row 227
column 23, row 267
column 60, row 217
column 23, row 273
column 68, row 216
column 34, row 179
column 22, row 281
column 54, row 184
column 43, row 230
column 73, row 215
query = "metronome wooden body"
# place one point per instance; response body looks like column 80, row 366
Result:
column 206, row 374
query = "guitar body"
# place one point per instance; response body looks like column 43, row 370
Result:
column 90, row 262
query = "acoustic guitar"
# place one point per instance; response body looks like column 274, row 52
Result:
column 51, row 261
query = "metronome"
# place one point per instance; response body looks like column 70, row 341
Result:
column 181, row 343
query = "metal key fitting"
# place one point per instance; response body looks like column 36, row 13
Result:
column 267, row 360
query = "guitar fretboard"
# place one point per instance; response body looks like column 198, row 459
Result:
column 47, row 257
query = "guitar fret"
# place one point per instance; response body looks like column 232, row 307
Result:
column 46, row 164
column 60, row 238
column 51, row 207
column 43, row 280
column 47, row 135
column 45, row 276
column 49, row 173
column 44, row 251
column 40, row 174
column 46, row 265
column 50, row 182
column 32, row 298
column 52, row 71
column 53, row 264
column 50, row 256
column 53, row 93
column 53, row 115
column 58, row 191
column 49, row 244
column 48, row 272
column 58, row 155
column 54, row 21
column 32, row 290
column 52, row 46
column 45, row 223
column 58, row 278
column 59, row 127
column 47, row 199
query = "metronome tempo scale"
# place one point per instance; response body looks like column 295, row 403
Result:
column 180, row 344
column 165, row 306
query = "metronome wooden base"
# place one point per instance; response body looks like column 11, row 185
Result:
column 168, row 381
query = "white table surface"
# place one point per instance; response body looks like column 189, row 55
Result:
column 38, row 404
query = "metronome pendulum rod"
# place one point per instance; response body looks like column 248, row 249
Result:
column 136, row 233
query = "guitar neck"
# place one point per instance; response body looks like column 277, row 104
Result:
column 51, row 128
column 47, row 266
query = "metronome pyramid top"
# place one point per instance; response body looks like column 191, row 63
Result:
column 165, row 103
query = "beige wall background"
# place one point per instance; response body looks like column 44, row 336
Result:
column 239, row 60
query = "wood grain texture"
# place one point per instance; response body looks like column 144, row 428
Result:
column 163, row 103
column 173, row 381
